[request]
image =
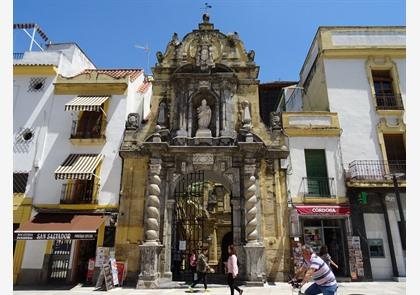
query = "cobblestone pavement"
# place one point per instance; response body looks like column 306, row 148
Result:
column 370, row 288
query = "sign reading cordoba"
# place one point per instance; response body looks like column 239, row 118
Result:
column 55, row 236
column 323, row 210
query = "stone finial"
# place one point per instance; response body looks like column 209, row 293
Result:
column 275, row 120
column 159, row 56
column 251, row 55
column 175, row 39
column 246, row 120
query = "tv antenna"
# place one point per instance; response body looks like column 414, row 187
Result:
column 147, row 49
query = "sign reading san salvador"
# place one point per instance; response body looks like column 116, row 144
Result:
column 55, row 236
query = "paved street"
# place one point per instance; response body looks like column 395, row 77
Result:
column 372, row 288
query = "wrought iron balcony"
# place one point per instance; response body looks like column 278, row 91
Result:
column 94, row 132
column 18, row 55
column 375, row 170
column 389, row 102
column 79, row 192
column 320, row 187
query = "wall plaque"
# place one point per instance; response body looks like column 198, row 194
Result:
column 203, row 159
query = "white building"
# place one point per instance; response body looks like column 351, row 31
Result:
column 350, row 103
column 76, row 167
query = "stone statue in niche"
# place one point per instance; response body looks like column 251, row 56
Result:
column 204, row 118
column 204, row 115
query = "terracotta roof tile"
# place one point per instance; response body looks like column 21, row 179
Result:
column 117, row 73
column 143, row 87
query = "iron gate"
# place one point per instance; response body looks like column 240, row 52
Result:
column 187, row 225
column 59, row 261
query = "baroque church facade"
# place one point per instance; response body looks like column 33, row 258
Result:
column 203, row 170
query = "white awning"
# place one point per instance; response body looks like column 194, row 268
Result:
column 86, row 103
column 79, row 166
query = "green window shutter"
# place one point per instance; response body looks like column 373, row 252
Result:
column 316, row 172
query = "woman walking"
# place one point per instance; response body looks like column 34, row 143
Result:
column 193, row 264
column 323, row 253
column 232, row 266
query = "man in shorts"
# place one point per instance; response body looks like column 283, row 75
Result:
column 324, row 278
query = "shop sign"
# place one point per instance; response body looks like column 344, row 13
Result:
column 54, row 236
column 323, row 210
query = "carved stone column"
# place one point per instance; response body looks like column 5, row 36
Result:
column 151, row 248
column 254, row 250
column 153, row 203
column 251, row 204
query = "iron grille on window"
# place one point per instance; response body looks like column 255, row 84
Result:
column 36, row 84
column 319, row 187
column 19, row 182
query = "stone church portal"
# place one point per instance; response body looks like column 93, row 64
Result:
column 204, row 170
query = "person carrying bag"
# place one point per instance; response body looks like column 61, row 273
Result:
column 232, row 266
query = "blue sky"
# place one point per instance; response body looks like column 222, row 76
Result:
column 280, row 31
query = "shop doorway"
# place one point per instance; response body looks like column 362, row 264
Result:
column 86, row 250
column 329, row 232
column 59, row 261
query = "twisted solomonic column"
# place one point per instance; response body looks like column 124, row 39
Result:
column 153, row 204
column 251, row 209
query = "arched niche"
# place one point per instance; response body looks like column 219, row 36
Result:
column 212, row 102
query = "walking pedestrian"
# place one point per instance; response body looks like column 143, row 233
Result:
column 232, row 266
column 193, row 264
column 202, row 268
column 323, row 253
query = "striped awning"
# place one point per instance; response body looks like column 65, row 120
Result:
column 78, row 166
column 86, row 103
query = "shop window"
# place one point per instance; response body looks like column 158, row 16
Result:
column 89, row 125
column 376, row 248
column 312, row 222
column 19, row 182
column 109, row 236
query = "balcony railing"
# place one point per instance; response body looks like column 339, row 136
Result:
column 18, row 55
column 320, row 187
column 80, row 192
column 376, row 170
column 95, row 132
column 389, row 102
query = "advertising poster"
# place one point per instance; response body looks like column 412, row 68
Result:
column 114, row 271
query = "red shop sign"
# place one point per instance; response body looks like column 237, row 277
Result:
column 323, row 210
